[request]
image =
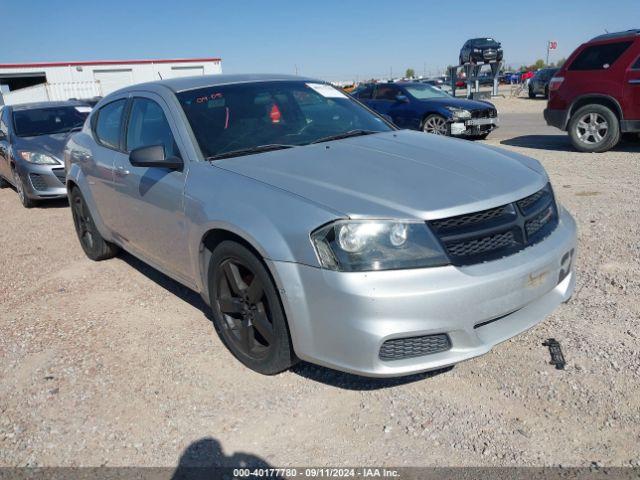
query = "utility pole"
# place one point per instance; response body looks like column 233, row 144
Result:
column 548, row 45
column 296, row 68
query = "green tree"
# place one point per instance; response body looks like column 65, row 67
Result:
column 538, row 65
column 410, row 73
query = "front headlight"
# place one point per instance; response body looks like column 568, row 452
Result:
column 460, row 113
column 477, row 50
column 38, row 158
column 364, row 245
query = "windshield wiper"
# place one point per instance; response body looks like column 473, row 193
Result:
column 65, row 130
column 340, row 136
column 250, row 151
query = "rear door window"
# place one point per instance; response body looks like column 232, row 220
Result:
column 599, row 57
column 386, row 92
column 365, row 93
column 108, row 125
column 148, row 126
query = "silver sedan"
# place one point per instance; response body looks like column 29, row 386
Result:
column 316, row 230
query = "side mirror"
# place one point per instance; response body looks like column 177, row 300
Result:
column 402, row 98
column 154, row 156
column 387, row 118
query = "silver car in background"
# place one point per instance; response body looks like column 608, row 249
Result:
column 314, row 229
column 32, row 138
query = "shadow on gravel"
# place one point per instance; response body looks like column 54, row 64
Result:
column 57, row 203
column 560, row 143
column 349, row 381
column 180, row 291
column 204, row 459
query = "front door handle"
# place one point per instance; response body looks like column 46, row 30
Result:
column 635, row 81
column 121, row 171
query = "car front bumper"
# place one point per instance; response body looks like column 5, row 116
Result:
column 473, row 127
column 340, row 320
column 42, row 181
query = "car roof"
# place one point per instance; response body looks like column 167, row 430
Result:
column 617, row 35
column 38, row 105
column 182, row 84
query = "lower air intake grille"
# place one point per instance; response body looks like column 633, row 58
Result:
column 400, row 348
column 37, row 181
column 60, row 174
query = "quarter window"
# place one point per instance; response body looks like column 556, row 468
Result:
column 636, row 66
column 109, row 124
column 148, row 126
column 599, row 57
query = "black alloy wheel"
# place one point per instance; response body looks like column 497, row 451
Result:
column 94, row 246
column 247, row 311
column 21, row 189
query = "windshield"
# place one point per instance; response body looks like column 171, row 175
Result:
column 46, row 121
column 231, row 118
column 484, row 43
column 424, row 91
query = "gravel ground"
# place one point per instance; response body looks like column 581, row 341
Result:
column 112, row 363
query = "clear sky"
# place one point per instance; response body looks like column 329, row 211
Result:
column 335, row 40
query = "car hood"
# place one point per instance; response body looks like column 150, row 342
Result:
column 459, row 103
column 399, row 174
column 49, row 144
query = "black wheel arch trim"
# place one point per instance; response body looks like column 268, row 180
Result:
column 592, row 96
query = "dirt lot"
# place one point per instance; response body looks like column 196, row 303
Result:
column 112, row 363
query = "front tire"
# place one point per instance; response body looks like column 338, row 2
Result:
column 435, row 124
column 532, row 94
column 94, row 246
column 247, row 312
column 594, row 128
column 22, row 193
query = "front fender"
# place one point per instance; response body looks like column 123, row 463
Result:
column 275, row 222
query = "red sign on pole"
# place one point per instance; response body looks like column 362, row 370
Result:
column 553, row 45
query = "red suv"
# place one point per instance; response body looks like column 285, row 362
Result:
column 596, row 94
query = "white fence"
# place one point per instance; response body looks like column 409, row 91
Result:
column 53, row 91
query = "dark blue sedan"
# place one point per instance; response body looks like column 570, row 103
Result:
column 419, row 106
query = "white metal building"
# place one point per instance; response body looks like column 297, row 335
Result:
column 31, row 82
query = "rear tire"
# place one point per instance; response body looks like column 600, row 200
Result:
column 594, row 128
column 247, row 312
column 22, row 194
column 94, row 246
column 546, row 91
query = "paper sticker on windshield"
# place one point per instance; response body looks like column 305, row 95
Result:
column 326, row 91
column 83, row 109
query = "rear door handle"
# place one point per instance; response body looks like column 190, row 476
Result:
column 635, row 81
column 121, row 171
